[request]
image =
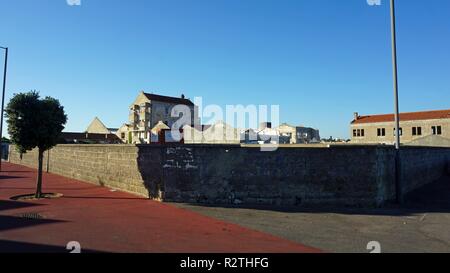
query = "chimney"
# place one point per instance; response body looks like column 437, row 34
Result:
column 182, row 96
column 356, row 116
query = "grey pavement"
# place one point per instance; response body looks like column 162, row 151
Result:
column 421, row 225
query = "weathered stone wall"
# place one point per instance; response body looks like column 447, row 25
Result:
column 113, row 166
column 230, row 174
column 288, row 176
column 422, row 165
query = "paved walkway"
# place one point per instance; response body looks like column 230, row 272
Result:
column 106, row 221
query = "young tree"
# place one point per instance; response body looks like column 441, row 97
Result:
column 34, row 122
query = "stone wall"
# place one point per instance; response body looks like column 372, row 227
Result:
column 231, row 174
column 422, row 165
column 113, row 166
column 288, row 176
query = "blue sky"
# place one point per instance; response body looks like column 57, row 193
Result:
column 320, row 60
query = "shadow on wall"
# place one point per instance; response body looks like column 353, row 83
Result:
column 231, row 175
column 149, row 162
column 432, row 198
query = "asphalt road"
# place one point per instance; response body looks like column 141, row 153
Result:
column 422, row 225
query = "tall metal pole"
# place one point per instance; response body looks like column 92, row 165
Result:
column 3, row 104
column 398, row 175
column 394, row 64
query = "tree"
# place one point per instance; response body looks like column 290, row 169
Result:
column 35, row 123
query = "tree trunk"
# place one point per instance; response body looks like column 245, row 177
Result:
column 39, row 175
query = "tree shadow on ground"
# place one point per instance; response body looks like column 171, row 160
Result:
column 18, row 171
column 9, row 205
column 12, row 222
column 21, row 247
column 105, row 197
column 10, row 177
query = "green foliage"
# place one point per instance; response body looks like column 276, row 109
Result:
column 5, row 140
column 34, row 122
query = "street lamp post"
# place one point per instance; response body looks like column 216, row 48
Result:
column 394, row 64
column 3, row 104
column 398, row 176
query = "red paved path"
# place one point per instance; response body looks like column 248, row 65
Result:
column 102, row 220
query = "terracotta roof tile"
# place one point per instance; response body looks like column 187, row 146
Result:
column 426, row 115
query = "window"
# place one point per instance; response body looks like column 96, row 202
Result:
column 417, row 131
column 381, row 132
column 359, row 132
column 437, row 130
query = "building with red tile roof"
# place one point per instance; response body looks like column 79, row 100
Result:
column 380, row 129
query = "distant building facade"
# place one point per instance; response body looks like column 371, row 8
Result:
column 151, row 121
column 86, row 138
column 147, row 111
column 298, row 134
column 98, row 127
column 218, row 133
column 414, row 126
column 95, row 133
column 283, row 134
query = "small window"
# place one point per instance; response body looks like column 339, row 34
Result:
column 378, row 132
column 417, row 131
column 362, row 132
column 381, row 132
column 358, row 133
column 436, row 130
column 354, row 133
